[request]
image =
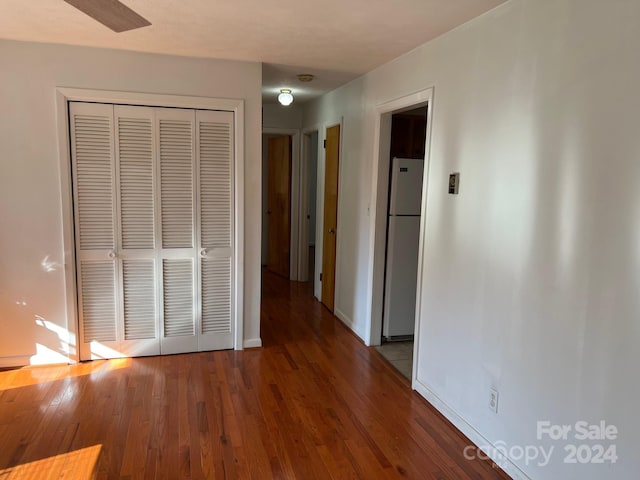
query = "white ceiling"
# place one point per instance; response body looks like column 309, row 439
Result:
column 336, row 40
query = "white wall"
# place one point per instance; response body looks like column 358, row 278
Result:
column 532, row 273
column 31, row 276
column 275, row 115
column 313, row 185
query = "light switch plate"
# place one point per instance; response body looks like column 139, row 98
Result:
column 454, row 183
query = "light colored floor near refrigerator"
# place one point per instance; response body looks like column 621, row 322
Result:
column 400, row 355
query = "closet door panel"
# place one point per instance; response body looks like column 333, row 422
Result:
column 175, row 129
column 92, row 146
column 214, row 151
column 176, row 154
column 98, row 301
column 135, row 153
column 93, row 169
column 139, row 309
column 135, row 172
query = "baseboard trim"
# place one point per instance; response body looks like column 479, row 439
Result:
column 471, row 433
column 252, row 343
column 16, row 361
column 343, row 318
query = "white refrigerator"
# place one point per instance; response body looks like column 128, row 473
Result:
column 401, row 275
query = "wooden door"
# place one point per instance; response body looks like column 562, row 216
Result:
column 330, row 224
column 279, row 205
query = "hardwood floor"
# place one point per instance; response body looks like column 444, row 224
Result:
column 313, row 403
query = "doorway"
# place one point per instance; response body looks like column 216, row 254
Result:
column 278, row 221
column 294, row 184
column 308, row 204
column 330, row 223
column 412, row 145
column 406, row 160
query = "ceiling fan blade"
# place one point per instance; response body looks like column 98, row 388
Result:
column 111, row 13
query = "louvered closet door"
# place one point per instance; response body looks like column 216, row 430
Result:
column 175, row 131
column 153, row 202
column 136, row 253
column 93, row 166
column 214, row 140
column 113, row 158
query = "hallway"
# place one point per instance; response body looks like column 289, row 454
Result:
column 355, row 414
column 313, row 403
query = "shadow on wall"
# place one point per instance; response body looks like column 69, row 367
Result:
column 59, row 346
column 55, row 344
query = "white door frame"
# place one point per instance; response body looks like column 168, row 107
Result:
column 305, row 175
column 294, row 213
column 63, row 97
column 378, row 210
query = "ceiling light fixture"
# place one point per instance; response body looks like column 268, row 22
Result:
column 285, row 97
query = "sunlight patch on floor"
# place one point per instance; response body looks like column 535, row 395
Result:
column 36, row 375
column 77, row 465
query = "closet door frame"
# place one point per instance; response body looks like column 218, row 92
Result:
column 66, row 95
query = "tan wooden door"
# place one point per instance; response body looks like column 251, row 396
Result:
column 332, row 159
column 279, row 205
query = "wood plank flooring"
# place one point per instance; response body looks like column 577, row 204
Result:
column 313, row 403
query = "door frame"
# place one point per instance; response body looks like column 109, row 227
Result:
column 305, row 175
column 378, row 209
column 63, row 97
column 295, row 195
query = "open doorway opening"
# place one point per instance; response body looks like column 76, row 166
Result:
column 308, row 208
column 408, row 135
column 276, row 201
column 406, row 167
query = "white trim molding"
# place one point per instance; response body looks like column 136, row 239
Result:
column 471, row 433
column 305, row 176
column 253, row 343
column 65, row 95
column 16, row 361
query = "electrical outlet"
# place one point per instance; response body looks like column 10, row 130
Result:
column 493, row 400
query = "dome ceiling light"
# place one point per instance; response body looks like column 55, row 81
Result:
column 285, row 97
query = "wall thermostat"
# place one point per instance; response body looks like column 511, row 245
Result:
column 454, row 183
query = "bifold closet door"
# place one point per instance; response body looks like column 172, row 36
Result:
column 153, row 203
column 175, row 130
column 214, row 140
column 136, row 221
column 112, row 160
column 94, row 171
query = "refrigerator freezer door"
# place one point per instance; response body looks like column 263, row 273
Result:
column 401, row 276
column 406, row 186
